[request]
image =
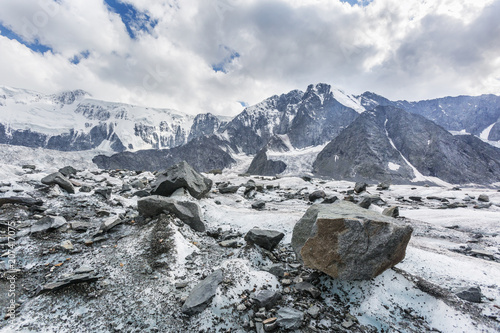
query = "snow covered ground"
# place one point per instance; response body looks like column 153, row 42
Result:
column 439, row 251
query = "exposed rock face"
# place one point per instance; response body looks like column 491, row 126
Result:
column 203, row 154
column 311, row 118
column 348, row 242
column 57, row 178
column 389, row 144
column 202, row 294
column 25, row 201
column 189, row 212
column 182, row 175
column 470, row 113
column 290, row 318
column 471, row 294
column 261, row 165
column 204, row 124
column 267, row 239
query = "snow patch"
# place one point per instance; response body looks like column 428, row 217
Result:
column 393, row 166
column 486, row 132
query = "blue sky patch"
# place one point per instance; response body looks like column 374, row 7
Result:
column 358, row 2
column 77, row 58
column 243, row 104
column 231, row 55
column 36, row 46
column 134, row 20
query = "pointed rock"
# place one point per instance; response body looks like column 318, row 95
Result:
column 267, row 239
column 57, row 178
column 182, row 175
column 202, row 294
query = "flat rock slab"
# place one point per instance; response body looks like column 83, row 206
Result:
column 182, row 175
column 48, row 223
column 266, row 298
column 21, row 201
column 189, row 212
column 289, row 318
column 202, row 294
column 348, row 242
column 57, row 178
column 77, row 277
column 267, row 239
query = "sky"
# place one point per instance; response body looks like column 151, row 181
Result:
column 221, row 55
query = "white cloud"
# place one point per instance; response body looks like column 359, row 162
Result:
column 400, row 49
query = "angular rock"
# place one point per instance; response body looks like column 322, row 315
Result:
column 319, row 194
column 267, row 239
column 182, row 175
column 189, row 212
column 103, row 192
column 330, row 200
column 25, row 201
column 266, row 298
column 309, row 288
column 391, row 211
column 202, row 294
column 470, row 294
column 228, row 189
column 258, row 204
column 57, row 178
column 360, row 187
column 483, row 198
column 48, row 223
column 68, row 171
column 78, row 276
column 348, row 242
column 110, row 224
column 276, row 270
column 383, row 186
column 85, row 189
column 289, row 318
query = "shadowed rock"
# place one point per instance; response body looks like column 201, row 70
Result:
column 182, row 175
column 21, row 201
column 57, row 178
column 189, row 212
column 267, row 239
column 348, row 242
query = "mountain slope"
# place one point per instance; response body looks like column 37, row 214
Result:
column 478, row 115
column 73, row 121
column 390, row 144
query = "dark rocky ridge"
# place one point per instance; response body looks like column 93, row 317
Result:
column 363, row 151
column 472, row 113
column 203, row 154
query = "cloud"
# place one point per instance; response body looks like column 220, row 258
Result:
column 218, row 55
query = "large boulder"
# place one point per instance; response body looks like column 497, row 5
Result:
column 189, row 212
column 57, row 178
column 349, row 242
column 202, row 294
column 182, row 175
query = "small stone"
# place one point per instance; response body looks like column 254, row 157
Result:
column 85, row 189
column 181, row 285
column 241, row 307
column 309, row 288
column 415, row 198
column 232, row 243
column 67, row 245
column 392, row 211
column 314, row 311
column 266, row 298
column 258, row 205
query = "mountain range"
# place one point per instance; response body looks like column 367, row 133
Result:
column 364, row 137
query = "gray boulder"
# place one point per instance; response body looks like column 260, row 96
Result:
column 57, row 178
column 392, row 211
column 470, row 294
column 189, row 212
column 360, row 187
column 348, row 242
column 319, row 194
column 48, row 223
column 267, row 239
column 228, row 189
column 25, row 201
column 289, row 318
column 202, row 294
column 266, row 298
column 68, row 171
column 182, row 175
column 483, row 198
